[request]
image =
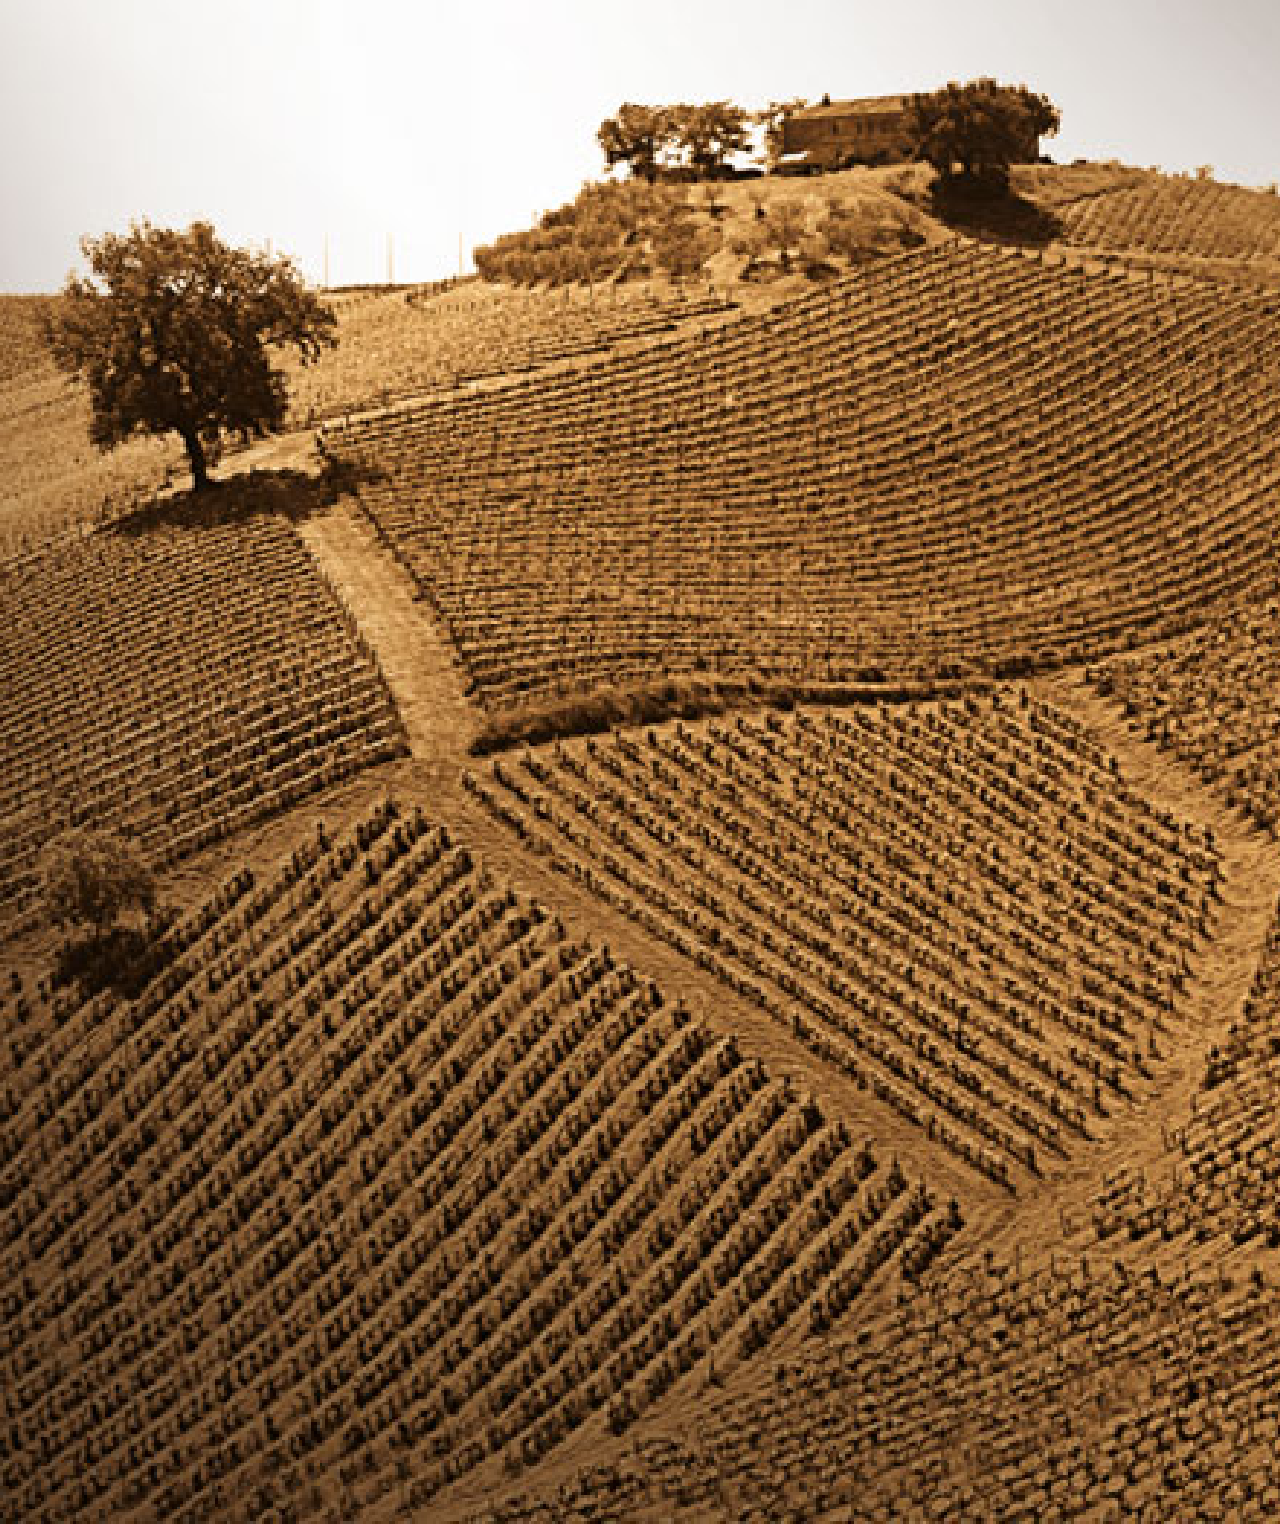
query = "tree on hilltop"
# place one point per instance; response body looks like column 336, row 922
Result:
column 707, row 136
column 699, row 139
column 637, row 137
column 172, row 332
column 982, row 127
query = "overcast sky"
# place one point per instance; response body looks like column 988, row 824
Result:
column 431, row 124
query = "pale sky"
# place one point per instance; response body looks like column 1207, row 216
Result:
column 427, row 123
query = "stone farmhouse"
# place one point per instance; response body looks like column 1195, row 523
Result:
column 869, row 130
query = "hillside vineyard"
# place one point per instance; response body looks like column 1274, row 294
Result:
column 717, row 939
column 1211, row 699
column 410, row 343
column 440, row 1186
column 920, row 894
column 1201, row 219
column 180, row 682
column 957, row 461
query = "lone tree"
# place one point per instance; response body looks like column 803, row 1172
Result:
column 90, row 877
column 173, row 332
column 982, row 127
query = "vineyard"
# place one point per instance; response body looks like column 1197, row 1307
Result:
column 717, row 941
column 961, row 461
column 406, row 1182
column 1081, row 1393
column 1171, row 216
column 179, row 682
column 1219, row 1180
column 1211, row 699
column 921, row 894
column 407, row 343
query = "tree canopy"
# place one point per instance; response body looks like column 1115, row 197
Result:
column 89, row 877
column 653, row 140
column 637, row 137
column 173, row 332
column 982, row 127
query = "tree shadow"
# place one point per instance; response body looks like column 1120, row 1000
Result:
column 283, row 492
column 992, row 211
column 123, row 959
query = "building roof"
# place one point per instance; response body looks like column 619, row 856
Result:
column 866, row 105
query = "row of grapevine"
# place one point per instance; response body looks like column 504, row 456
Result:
column 382, row 1180
column 178, row 682
column 960, row 461
column 961, row 907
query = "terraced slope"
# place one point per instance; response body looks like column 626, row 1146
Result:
column 960, row 907
column 960, row 461
column 178, row 682
column 381, row 1181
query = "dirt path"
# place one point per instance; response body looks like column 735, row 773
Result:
column 418, row 661
column 1137, row 1135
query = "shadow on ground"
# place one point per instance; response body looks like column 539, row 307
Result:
column 124, row 959
column 992, row 212
column 283, row 493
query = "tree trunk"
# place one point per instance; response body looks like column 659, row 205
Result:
column 195, row 453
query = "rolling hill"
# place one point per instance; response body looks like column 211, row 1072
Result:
column 718, row 852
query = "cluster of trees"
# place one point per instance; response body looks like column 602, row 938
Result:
column 611, row 231
column 975, row 130
column 683, row 141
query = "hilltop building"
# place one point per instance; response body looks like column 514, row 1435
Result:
column 870, row 130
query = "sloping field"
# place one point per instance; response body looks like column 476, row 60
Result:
column 854, row 1111
column 22, row 347
column 1164, row 214
column 1211, row 698
column 382, row 1180
column 1092, row 1392
column 51, row 477
column 402, row 344
column 961, row 908
column 1219, row 1179
column 179, row 682
column 1135, row 1375
column 961, row 461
